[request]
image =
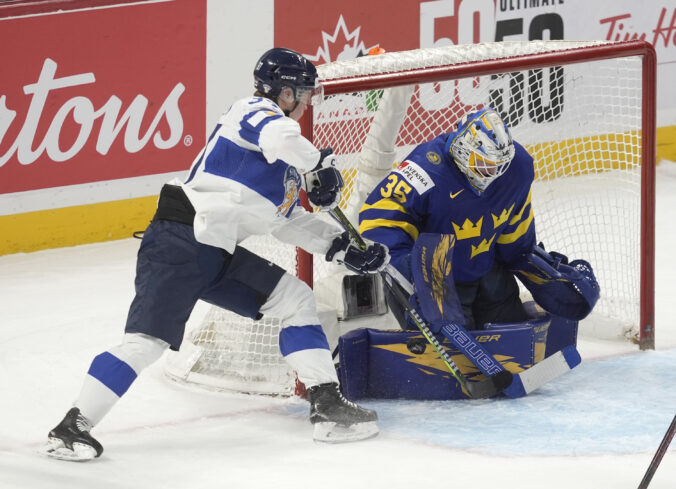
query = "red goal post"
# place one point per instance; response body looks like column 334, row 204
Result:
column 622, row 75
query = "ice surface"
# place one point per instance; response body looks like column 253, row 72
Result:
column 597, row 427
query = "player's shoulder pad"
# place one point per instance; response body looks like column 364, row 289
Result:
column 262, row 103
column 423, row 165
column 430, row 155
column 523, row 163
column 416, row 175
column 258, row 108
column 263, row 115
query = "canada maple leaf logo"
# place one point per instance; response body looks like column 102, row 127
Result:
column 342, row 44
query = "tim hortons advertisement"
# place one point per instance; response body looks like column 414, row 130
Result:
column 97, row 95
column 343, row 30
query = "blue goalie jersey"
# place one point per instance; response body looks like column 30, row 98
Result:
column 427, row 193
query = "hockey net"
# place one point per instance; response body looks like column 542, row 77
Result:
column 584, row 110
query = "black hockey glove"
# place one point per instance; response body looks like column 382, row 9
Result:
column 344, row 251
column 324, row 183
column 326, row 158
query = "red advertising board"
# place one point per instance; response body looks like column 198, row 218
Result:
column 103, row 94
column 330, row 31
column 340, row 30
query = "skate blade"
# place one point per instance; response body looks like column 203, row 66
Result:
column 333, row 433
column 55, row 448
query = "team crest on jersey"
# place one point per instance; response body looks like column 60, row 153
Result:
column 291, row 189
column 433, row 157
column 415, row 175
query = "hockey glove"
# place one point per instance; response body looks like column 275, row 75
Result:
column 569, row 290
column 324, row 182
column 344, row 251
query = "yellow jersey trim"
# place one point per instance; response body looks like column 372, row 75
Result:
column 385, row 205
column 518, row 232
column 410, row 229
column 517, row 217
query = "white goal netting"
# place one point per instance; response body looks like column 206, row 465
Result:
column 582, row 120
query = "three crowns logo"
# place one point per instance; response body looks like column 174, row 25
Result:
column 482, row 247
column 504, row 215
column 468, row 229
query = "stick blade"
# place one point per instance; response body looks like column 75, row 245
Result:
column 545, row 371
column 490, row 387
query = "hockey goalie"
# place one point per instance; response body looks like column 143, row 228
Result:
column 458, row 220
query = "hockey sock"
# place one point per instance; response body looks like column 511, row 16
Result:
column 112, row 372
column 306, row 350
column 301, row 340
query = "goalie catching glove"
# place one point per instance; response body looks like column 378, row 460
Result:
column 324, row 182
column 345, row 251
column 569, row 290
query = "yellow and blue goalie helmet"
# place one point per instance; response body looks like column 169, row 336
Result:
column 482, row 147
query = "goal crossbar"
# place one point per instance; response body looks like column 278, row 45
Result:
column 590, row 51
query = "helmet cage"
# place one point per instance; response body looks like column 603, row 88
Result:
column 482, row 147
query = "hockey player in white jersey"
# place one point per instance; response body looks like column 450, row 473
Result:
column 246, row 181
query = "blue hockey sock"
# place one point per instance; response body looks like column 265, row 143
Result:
column 112, row 372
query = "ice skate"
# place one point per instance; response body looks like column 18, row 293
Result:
column 70, row 440
column 337, row 420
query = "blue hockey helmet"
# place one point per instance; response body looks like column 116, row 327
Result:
column 282, row 67
column 482, row 147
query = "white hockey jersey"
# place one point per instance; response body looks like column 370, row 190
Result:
column 247, row 179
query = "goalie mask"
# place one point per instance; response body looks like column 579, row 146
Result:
column 482, row 147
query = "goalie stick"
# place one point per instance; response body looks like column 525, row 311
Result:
column 483, row 389
column 661, row 450
column 489, row 387
column 497, row 379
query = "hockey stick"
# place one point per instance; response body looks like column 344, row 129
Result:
column 483, row 389
column 498, row 379
column 522, row 383
column 489, row 387
column 662, row 449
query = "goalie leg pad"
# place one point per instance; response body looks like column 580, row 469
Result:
column 472, row 349
column 377, row 364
